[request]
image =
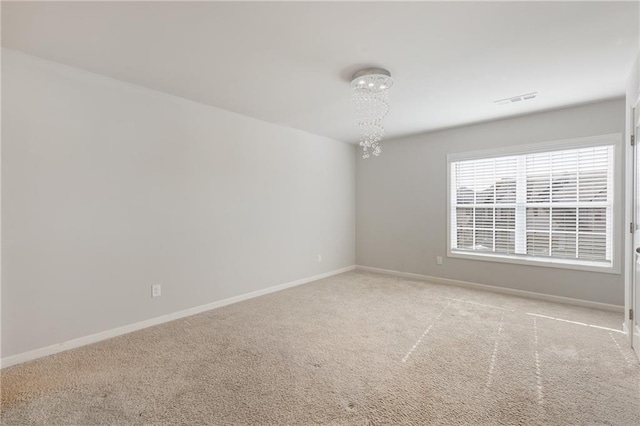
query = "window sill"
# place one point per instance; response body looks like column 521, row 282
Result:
column 547, row 263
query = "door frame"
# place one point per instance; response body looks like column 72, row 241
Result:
column 630, row 190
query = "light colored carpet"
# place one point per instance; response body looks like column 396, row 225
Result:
column 355, row 349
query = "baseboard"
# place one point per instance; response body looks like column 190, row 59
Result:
column 108, row 334
column 495, row 289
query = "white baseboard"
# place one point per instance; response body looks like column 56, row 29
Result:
column 108, row 334
column 495, row 289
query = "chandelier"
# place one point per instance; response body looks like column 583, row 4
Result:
column 371, row 99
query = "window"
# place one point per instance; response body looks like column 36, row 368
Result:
column 550, row 204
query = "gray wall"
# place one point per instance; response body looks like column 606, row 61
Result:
column 109, row 188
column 401, row 203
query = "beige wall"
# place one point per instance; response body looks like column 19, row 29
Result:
column 401, row 203
column 109, row 188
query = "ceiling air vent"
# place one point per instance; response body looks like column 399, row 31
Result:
column 516, row 99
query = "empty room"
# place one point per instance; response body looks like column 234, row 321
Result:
column 331, row 213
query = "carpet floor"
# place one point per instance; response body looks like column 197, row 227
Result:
column 354, row 349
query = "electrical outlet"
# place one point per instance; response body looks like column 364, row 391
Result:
column 319, row 258
column 439, row 260
column 156, row 290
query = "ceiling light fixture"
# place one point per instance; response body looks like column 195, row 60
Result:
column 371, row 99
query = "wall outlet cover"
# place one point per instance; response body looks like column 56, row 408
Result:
column 156, row 290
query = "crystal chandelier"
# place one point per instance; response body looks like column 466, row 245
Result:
column 371, row 99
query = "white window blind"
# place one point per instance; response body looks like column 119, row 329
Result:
column 554, row 205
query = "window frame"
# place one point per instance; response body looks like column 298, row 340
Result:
column 613, row 139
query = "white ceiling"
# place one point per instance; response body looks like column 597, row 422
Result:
column 290, row 63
